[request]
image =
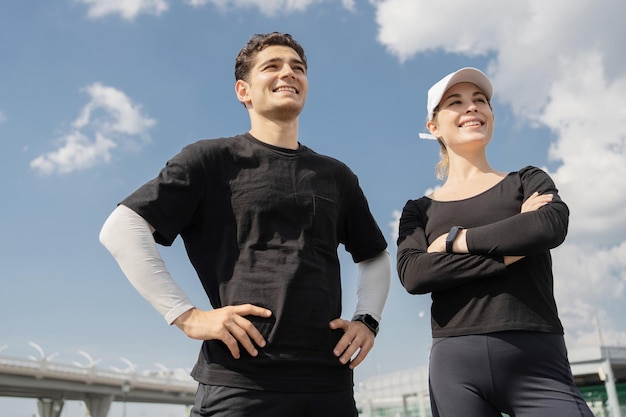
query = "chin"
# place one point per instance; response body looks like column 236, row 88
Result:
column 287, row 112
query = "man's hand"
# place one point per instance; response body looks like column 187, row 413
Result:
column 226, row 324
column 357, row 337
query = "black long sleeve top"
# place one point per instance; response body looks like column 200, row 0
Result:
column 476, row 293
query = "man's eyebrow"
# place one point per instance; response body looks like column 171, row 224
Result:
column 277, row 59
column 268, row 61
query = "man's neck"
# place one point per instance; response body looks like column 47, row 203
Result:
column 283, row 134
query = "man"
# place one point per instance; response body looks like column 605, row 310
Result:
column 261, row 216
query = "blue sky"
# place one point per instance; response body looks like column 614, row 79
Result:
column 95, row 96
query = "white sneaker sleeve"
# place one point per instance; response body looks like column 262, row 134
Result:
column 128, row 237
column 374, row 280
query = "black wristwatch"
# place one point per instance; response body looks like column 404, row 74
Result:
column 452, row 234
column 367, row 320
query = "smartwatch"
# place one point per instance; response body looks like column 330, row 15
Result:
column 452, row 234
column 367, row 320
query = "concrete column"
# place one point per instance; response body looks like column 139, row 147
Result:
column 405, row 403
column 366, row 411
column 423, row 398
column 98, row 406
column 611, row 390
column 50, row 407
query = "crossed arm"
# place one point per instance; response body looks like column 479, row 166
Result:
column 479, row 252
column 532, row 203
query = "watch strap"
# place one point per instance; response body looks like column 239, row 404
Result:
column 369, row 321
column 452, row 234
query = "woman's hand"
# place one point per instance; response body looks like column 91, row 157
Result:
column 535, row 201
column 532, row 203
column 438, row 245
column 458, row 246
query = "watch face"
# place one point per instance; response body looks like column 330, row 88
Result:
column 452, row 234
column 454, row 230
column 370, row 321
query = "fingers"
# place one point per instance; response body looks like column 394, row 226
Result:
column 536, row 201
column 356, row 361
column 355, row 344
column 240, row 330
column 251, row 310
column 244, row 328
column 231, row 342
column 246, row 332
column 228, row 325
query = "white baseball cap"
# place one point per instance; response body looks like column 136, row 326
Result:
column 464, row 75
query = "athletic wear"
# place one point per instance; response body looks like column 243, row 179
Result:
column 237, row 402
column 523, row 374
column 262, row 225
column 518, row 364
column 128, row 237
column 475, row 293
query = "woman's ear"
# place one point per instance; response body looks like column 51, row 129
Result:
column 241, row 89
column 432, row 128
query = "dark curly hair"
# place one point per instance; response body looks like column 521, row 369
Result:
column 258, row 42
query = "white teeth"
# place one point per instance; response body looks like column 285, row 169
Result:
column 291, row 89
column 472, row 123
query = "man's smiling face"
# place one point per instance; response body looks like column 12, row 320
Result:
column 277, row 84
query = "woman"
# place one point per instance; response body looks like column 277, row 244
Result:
column 480, row 244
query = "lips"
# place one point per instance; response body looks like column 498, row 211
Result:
column 288, row 88
column 469, row 123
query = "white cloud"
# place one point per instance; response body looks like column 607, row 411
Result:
column 531, row 40
column 111, row 118
column 349, row 4
column 130, row 9
column 266, row 7
column 122, row 115
column 127, row 9
column 394, row 225
column 408, row 27
column 588, row 114
column 77, row 153
column 590, row 287
column 3, row 117
column 558, row 64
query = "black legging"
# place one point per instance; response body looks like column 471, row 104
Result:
column 217, row 401
column 523, row 374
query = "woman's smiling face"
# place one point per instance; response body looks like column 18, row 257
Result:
column 464, row 114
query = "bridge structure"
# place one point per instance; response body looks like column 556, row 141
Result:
column 52, row 383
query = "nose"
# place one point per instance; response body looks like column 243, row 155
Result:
column 472, row 108
column 287, row 72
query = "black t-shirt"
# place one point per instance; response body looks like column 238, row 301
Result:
column 262, row 225
column 475, row 293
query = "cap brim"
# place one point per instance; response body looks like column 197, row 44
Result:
column 467, row 74
column 474, row 76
